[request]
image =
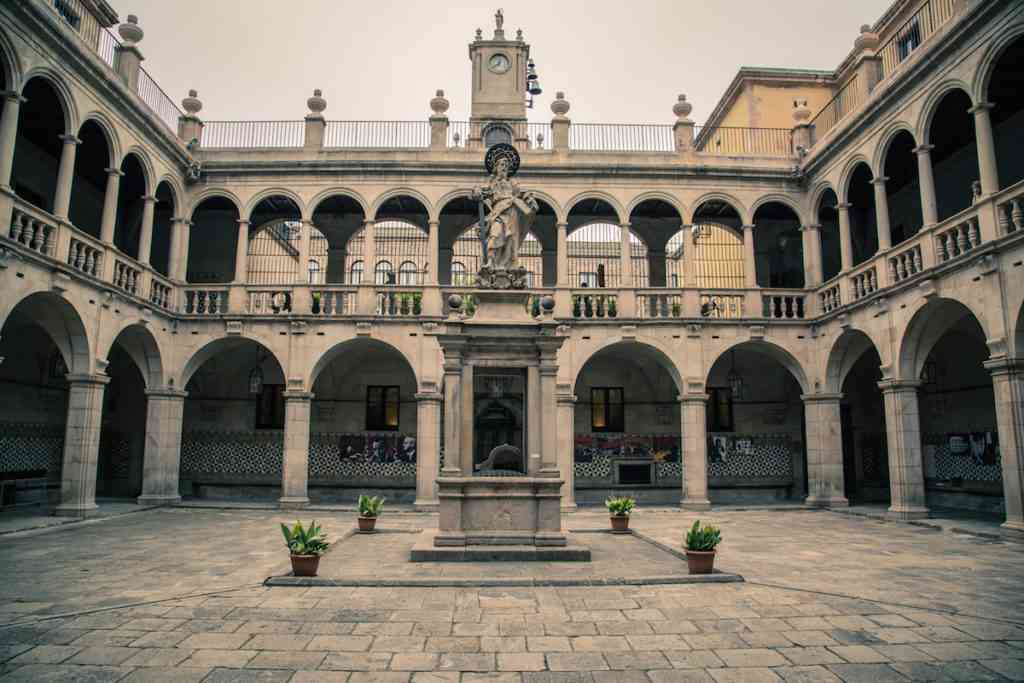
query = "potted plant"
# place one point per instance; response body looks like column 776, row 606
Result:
column 701, row 542
column 306, row 545
column 619, row 509
column 576, row 311
column 677, row 309
column 316, row 303
column 369, row 509
column 417, row 304
column 612, row 308
column 535, row 307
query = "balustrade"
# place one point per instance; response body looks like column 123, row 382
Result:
column 863, row 283
column 721, row 305
column 957, row 240
column 905, row 264
column 33, row 231
column 126, row 277
column 593, row 305
column 85, row 257
column 783, row 306
column 399, row 303
column 160, row 294
column 653, row 305
column 333, row 302
column 269, row 301
column 831, row 299
column 1011, row 213
column 206, row 301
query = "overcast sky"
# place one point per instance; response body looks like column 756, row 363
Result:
column 621, row 62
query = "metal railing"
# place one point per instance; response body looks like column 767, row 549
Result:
column 253, row 134
column 106, row 46
column 157, row 100
column 376, row 134
column 621, row 137
column 849, row 97
column 737, row 141
column 469, row 134
column 914, row 31
column 77, row 16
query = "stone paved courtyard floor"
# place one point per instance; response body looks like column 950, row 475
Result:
column 176, row 595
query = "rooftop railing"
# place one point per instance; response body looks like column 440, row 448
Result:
column 157, row 100
column 252, row 134
column 914, row 31
column 849, row 97
column 377, row 134
column 621, row 137
column 736, row 141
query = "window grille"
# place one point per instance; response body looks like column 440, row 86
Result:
column 396, row 242
column 382, row 408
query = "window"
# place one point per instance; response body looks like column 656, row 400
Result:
column 497, row 134
column 720, row 414
column 384, row 274
column 68, row 14
column 459, row 274
column 408, row 274
column 314, row 272
column 270, row 407
column 908, row 39
column 607, row 412
column 588, row 279
column 356, row 273
column 381, row 408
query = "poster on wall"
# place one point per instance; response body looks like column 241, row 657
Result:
column 380, row 448
column 719, row 447
column 656, row 447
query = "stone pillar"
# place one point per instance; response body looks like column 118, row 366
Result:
column 548, row 407
column 452, row 465
column 305, row 236
column 127, row 57
column 433, row 252
column 560, row 123
column 242, row 253
column 987, row 168
column 567, row 444
column 369, row 253
column 295, row 479
column 563, row 255
column 8, row 134
column 695, row 452
column 146, row 231
column 81, row 445
column 109, row 220
column 65, row 176
column 882, row 213
column 824, row 451
column 180, row 228
column 162, row 460
column 439, row 122
column 190, row 126
column 1008, row 387
column 428, row 444
column 749, row 259
column 626, row 257
column 689, row 275
column 813, row 275
column 534, row 422
column 682, row 129
column 926, row 179
column 903, row 437
column 845, row 238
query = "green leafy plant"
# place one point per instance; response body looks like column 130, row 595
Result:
column 305, row 540
column 576, row 310
column 612, row 307
column 703, row 538
column 677, row 309
column 417, row 303
column 620, row 507
column 370, row 506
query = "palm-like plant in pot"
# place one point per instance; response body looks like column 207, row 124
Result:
column 618, row 510
column 306, row 545
column 369, row 510
column 701, row 542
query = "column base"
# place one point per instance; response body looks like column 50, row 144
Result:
column 693, row 504
column 158, row 500
column 292, row 502
column 569, row 507
column 908, row 512
column 75, row 510
column 426, row 505
column 824, row 502
column 1013, row 525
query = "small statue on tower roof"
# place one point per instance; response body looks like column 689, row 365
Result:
column 499, row 25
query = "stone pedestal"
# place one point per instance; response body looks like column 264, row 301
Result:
column 81, row 445
column 903, row 436
column 824, row 451
column 160, row 470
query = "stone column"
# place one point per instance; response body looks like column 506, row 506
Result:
column 882, row 213
column 65, row 176
column 162, row 460
column 548, row 411
column 812, row 255
column 8, row 134
column 452, row 465
column 749, row 258
column 695, row 452
column 242, row 253
column 626, row 257
column 428, row 443
column 305, row 236
column 845, row 238
column 929, row 211
column 824, row 450
column 146, row 231
column 534, row 423
column 433, row 252
column 81, row 445
column 109, row 220
column 369, row 253
column 295, row 479
column 563, row 256
column 1008, row 387
column 689, row 275
column 987, row 167
column 179, row 249
column 567, row 444
column 903, row 437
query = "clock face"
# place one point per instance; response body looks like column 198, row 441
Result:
column 498, row 63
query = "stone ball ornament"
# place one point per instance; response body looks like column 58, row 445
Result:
column 191, row 104
column 454, row 302
column 130, row 30
column 682, row 108
column 438, row 104
column 502, row 150
column 317, row 103
column 547, row 302
column 560, row 106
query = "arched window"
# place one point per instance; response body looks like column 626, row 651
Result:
column 496, row 134
column 315, row 272
column 459, row 274
column 356, row 273
column 408, row 274
column 384, row 274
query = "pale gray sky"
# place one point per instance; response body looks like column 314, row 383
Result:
column 618, row 62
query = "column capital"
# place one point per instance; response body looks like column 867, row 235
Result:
column 923, row 149
column 844, row 206
column 12, row 96
column 85, row 379
column 625, row 224
column 182, row 219
column 114, row 172
column 428, row 397
column 693, row 398
column 149, row 199
column 243, row 221
column 298, row 395
column 823, row 397
column 810, row 227
column 899, row 385
column 1005, row 366
column 367, row 222
column 980, row 107
column 166, row 393
column 879, row 180
column 748, row 227
column 433, row 224
column 562, row 225
column 565, row 399
column 69, row 139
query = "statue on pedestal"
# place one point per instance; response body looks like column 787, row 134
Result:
column 506, row 214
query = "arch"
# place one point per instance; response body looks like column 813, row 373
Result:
column 773, row 351
column 657, row 195
column 148, row 171
column 164, row 211
column 60, row 90
column 38, row 148
column 931, row 105
column 776, row 198
column 10, row 62
column 886, row 140
column 653, row 347
column 399, row 192
column 815, row 196
column 724, row 197
column 94, row 156
column 333, row 352
column 1004, row 90
column 270, row 193
column 827, row 217
column 991, row 55
column 175, row 190
column 61, row 321
column 212, row 348
column 447, row 199
column 954, row 154
column 211, row 193
column 133, row 188
column 602, row 196
column 927, row 325
column 143, row 347
column 324, row 195
column 778, row 245
column 845, row 352
column 212, row 248
column 899, row 166
column 109, row 131
column 847, row 175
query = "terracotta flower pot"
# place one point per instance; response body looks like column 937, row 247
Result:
column 700, row 561
column 367, row 524
column 305, row 565
column 620, row 524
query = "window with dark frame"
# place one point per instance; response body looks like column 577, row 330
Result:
column 607, row 409
column 720, row 414
column 382, row 408
column 270, row 407
column 908, row 39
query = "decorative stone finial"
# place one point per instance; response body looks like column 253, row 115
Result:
column 560, row 106
column 682, row 108
column 867, row 39
column 454, row 303
column 801, row 112
column 317, row 103
column 191, row 104
column 439, row 105
column 479, row 34
column 519, row 34
column 130, row 31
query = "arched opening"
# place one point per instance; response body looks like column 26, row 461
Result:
column 778, row 246
column 275, row 235
column 123, row 430
column 717, row 246
column 363, row 424
column 337, row 218
column 213, row 241
column 656, row 222
column 89, row 186
column 128, row 225
column 163, row 215
column 955, row 153
column 860, row 195
column 232, row 443
column 37, row 148
column 628, row 437
column 755, row 427
column 1006, row 92
column 903, row 187
column 831, row 247
column 594, row 245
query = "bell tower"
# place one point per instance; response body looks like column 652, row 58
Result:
column 499, row 89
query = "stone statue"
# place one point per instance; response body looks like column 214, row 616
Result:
column 507, row 213
column 499, row 19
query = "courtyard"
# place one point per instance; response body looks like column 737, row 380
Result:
column 178, row 594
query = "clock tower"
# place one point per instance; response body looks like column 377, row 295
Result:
column 498, row 109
